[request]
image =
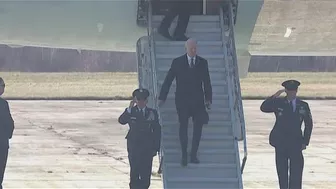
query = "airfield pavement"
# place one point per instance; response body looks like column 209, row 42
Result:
column 79, row 144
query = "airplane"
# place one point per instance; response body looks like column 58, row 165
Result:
column 100, row 25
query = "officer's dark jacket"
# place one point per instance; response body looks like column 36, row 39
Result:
column 6, row 124
column 287, row 129
column 142, row 128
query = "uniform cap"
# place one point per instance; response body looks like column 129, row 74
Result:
column 140, row 94
column 291, row 84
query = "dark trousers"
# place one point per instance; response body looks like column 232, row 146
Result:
column 140, row 167
column 293, row 161
column 184, row 114
column 181, row 9
column 3, row 162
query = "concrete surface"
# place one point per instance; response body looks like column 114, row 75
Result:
column 79, row 144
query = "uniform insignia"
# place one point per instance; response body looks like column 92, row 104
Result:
column 140, row 90
column 280, row 114
column 151, row 116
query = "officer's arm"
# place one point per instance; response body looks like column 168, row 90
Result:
column 157, row 132
column 308, row 120
column 125, row 117
column 269, row 105
column 207, row 84
column 9, row 121
column 167, row 82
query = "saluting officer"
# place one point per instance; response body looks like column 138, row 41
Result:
column 143, row 138
column 286, row 136
column 6, row 131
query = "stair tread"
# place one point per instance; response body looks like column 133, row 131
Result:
column 182, row 43
column 174, row 55
column 202, row 165
column 197, row 179
column 205, row 137
column 193, row 18
column 204, row 151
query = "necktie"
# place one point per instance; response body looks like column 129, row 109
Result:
column 291, row 105
column 191, row 62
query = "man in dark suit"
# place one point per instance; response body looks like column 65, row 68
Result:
column 143, row 138
column 286, row 136
column 6, row 131
column 180, row 8
column 192, row 74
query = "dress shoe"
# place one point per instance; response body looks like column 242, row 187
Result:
column 180, row 38
column 165, row 33
column 194, row 160
column 184, row 161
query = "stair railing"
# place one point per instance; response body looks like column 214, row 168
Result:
column 155, row 91
column 233, row 81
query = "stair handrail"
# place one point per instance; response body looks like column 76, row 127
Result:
column 231, row 49
column 151, row 45
column 238, row 102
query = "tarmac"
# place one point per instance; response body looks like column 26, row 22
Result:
column 79, row 144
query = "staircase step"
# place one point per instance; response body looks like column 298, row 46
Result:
column 217, row 89
column 219, row 76
column 199, row 34
column 221, row 110
column 170, row 104
column 201, row 183
column 203, row 47
column 193, row 18
column 194, row 22
column 164, row 66
column 207, row 129
column 205, row 156
column 206, row 170
column 215, row 83
column 174, row 55
column 224, row 143
column 212, row 115
column 212, row 123
column 215, row 97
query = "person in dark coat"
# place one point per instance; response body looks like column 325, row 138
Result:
column 6, row 131
column 143, row 138
column 286, row 136
column 193, row 94
column 180, row 8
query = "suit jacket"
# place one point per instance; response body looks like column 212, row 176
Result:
column 287, row 132
column 193, row 85
column 144, row 130
column 6, row 124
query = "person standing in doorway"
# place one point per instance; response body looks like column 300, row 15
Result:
column 6, row 131
column 180, row 8
column 193, row 94
column 286, row 136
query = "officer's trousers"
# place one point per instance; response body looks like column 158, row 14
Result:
column 140, row 161
column 292, row 160
column 3, row 162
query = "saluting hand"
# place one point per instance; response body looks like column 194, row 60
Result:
column 278, row 93
column 132, row 103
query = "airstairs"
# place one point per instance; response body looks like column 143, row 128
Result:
column 221, row 166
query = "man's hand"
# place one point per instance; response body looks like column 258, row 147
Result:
column 303, row 147
column 278, row 93
column 154, row 153
column 161, row 102
column 208, row 104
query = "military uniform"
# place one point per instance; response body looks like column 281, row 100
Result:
column 6, row 132
column 143, row 140
column 286, row 136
